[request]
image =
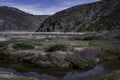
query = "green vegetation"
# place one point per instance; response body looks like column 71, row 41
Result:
column 10, row 76
column 3, row 43
column 23, row 46
column 76, row 19
column 18, row 78
column 87, row 38
column 75, row 38
column 78, row 23
column 108, row 55
column 4, row 55
column 57, row 47
column 110, row 48
column 93, row 38
column 107, row 22
column 35, row 52
column 114, row 75
column 84, row 64
column 61, row 53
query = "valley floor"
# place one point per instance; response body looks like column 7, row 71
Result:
column 77, row 53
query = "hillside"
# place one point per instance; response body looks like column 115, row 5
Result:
column 12, row 19
column 97, row 16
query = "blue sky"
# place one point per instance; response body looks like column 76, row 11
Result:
column 43, row 7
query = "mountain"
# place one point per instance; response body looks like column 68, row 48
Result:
column 97, row 16
column 13, row 19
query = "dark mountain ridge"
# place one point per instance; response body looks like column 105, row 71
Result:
column 98, row 16
column 13, row 19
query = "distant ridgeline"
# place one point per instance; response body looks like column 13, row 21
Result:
column 103, row 15
column 12, row 19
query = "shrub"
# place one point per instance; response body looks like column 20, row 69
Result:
column 87, row 38
column 3, row 44
column 4, row 55
column 90, row 63
column 81, row 65
column 84, row 64
column 77, row 23
column 93, row 38
column 57, row 47
column 23, row 46
column 75, row 38
column 107, row 54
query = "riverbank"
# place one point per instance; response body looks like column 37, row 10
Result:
column 105, row 70
column 51, row 53
column 11, row 76
column 62, row 53
column 114, row 75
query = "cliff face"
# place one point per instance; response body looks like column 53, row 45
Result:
column 97, row 16
column 12, row 19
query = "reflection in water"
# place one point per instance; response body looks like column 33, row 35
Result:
column 28, row 74
column 97, row 70
column 69, row 76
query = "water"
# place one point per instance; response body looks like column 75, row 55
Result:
column 98, row 69
column 70, row 75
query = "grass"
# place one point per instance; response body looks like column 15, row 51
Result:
column 4, row 43
column 87, row 38
column 24, row 78
column 110, row 48
column 60, row 44
column 4, row 55
column 114, row 75
column 93, row 38
column 84, row 64
column 23, row 46
column 57, row 47
column 19, row 78
column 75, row 38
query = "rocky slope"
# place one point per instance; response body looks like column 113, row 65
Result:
column 97, row 16
column 12, row 19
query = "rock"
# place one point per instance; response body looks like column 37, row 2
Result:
column 97, row 16
column 3, row 39
column 7, row 75
column 13, row 19
column 11, row 76
column 78, row 49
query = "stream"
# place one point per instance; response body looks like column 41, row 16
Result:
column 70, row 75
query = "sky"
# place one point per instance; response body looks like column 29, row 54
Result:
column 43, row 7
